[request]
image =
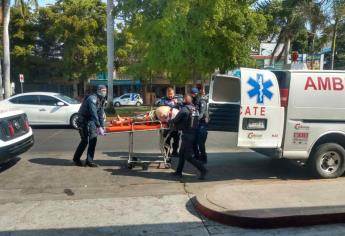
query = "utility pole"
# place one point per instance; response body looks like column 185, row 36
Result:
column 110, row 50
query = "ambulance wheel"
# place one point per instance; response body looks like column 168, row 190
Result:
column 138, row 104
column 328, row 161
column 117, row 104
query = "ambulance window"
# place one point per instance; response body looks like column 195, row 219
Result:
column 226, row 89
column 283, row 79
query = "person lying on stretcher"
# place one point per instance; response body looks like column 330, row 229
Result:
column 162, row 114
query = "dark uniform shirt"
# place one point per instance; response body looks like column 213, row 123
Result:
column 182, row 120
column 201, row 105
column 172, row 103
column 92, row 109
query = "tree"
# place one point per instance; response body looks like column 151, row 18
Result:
column 338, row 15
column 6, row 9
column 187, row 40
column 79, row 29
column 291, row 18
column 110, row 50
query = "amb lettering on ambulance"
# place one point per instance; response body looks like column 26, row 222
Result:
column 292, row 114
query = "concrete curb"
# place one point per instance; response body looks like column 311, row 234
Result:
column 270, row 218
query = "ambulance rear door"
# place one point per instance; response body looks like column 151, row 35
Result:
column 261, row 119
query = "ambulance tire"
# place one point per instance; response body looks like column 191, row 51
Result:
column 327, row 161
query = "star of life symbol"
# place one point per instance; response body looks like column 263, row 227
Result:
column 260, row 88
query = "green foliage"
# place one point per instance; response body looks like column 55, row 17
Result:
column 66, row 40
column 188, row 39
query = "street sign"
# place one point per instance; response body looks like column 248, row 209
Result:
column 21, row 78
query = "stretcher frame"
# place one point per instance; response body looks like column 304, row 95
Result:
column 165, row 149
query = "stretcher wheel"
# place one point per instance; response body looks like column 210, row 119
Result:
column 130, row 166
column 145, row 167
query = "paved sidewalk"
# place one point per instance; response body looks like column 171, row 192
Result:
column 273, row 205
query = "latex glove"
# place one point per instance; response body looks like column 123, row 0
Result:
column 101, row 131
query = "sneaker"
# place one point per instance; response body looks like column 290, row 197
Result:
column 91, row 164
column 203, row 174
column 77, row 162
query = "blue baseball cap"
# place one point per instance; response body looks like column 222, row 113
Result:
column 195, row 90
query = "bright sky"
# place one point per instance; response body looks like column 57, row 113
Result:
column 44, row 2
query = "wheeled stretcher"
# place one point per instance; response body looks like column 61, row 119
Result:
column 143, row 126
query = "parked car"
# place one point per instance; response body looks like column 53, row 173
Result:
column 43, row 108
column 128, row 99
column 179, row 98
column 16, row 135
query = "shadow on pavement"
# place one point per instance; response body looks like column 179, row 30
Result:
column 7, row 165
column 163, row 229
column 221, row 166
column 50, row 161
column 51, row 127
column 225, row 166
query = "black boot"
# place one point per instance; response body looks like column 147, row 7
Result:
column 91, row 164
column 77, row 162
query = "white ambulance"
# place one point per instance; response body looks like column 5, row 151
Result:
column 289, row 114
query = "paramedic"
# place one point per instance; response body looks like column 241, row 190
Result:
column 201, row 132
column 171, row 102
column 91, row 124
column 187, row 123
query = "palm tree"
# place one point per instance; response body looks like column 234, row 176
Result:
column 293, row 15
column 338, row 12
column 6, row 10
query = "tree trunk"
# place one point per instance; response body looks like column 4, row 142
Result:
column 334, row 40
column 287, row 50
column 110, row 50
column 75, row 88
column 1, row 87
column 6, row 46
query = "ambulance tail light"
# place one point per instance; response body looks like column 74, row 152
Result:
column 284, row 97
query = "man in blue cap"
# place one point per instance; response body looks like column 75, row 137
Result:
column 91, row 124
column 201, row 132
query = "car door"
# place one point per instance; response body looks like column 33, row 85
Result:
column 124, row 100
column 29, row 104
column 248, row 104
column 51, row 111
column 262, row 117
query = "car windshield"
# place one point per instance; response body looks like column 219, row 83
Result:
column 67, row 99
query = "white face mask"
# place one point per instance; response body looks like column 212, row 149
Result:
column 102, row 93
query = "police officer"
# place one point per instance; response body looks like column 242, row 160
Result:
column 91, row 124
column 172, row 102
column 201, row 133
column 186, row 121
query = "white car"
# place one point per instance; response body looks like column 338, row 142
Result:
column 128, row 99
column 16, row 135
column 45, row 108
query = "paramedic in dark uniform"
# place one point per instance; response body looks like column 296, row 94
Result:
column 91, row 124
column 185, row 122
column 201, row 132
column 171, row 102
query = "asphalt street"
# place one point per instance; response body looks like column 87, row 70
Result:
column 43, row 193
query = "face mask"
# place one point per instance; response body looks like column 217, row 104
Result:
column 102, row 93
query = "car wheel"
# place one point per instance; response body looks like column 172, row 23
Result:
column 138, row 104
column 328, row 161
column 117, row 104
column 74, row 121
